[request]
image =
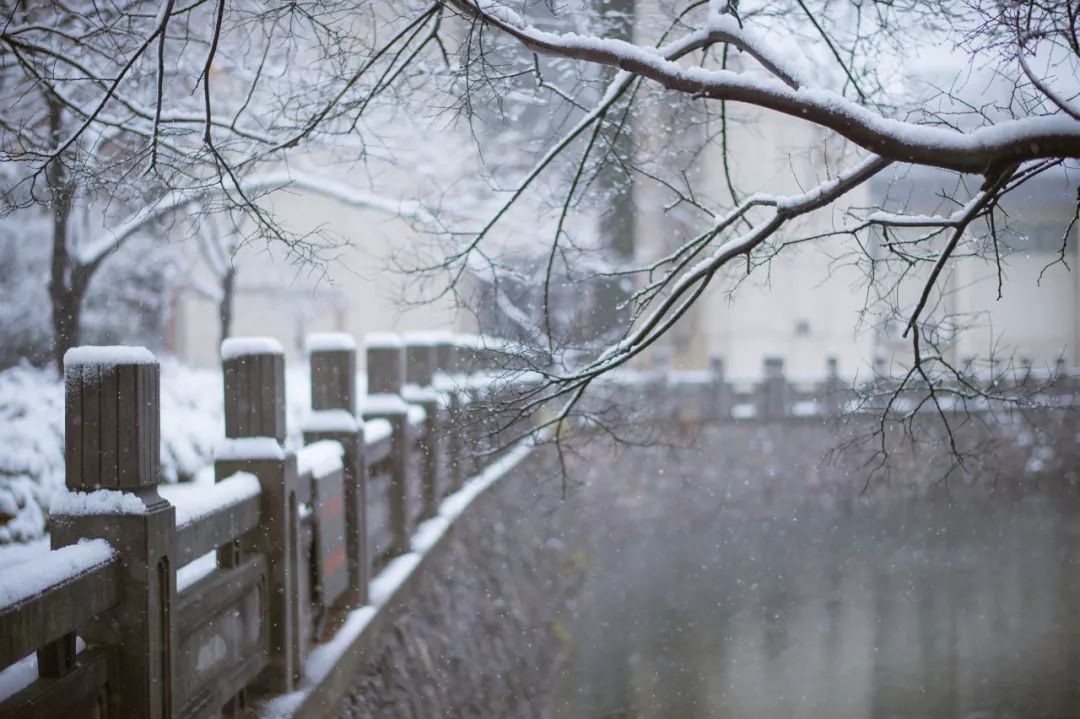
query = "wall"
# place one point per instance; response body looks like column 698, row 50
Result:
column 481, row 636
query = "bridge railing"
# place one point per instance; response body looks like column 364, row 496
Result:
column 713, row 396
column 271, row 556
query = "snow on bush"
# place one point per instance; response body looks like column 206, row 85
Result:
column 192, row 421
column 32, row 435
column 31, row 449
column 32, row 440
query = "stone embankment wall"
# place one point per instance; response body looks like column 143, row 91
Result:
column 481, row 638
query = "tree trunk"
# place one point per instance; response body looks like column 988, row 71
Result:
column 67, row 311
column 617, row 228
column 65, row 297
column 225, row 306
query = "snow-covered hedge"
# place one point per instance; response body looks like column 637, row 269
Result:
column 32, row 434
column 32, row 438
column 31, row 449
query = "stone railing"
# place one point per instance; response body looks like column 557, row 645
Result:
column 711, row 395
column 204, row 599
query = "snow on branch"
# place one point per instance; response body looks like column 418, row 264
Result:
column 1006, row 142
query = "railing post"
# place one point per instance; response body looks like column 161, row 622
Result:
column 446, row 368
column 722, row 402
column 420, row 363
column 774, row 390
column 1060, row 380
column 254, row 370
column 833, row 393
column 112, row 422
column 386, row 377
column 332, row 357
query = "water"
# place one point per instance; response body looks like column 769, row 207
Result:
column 700, row 603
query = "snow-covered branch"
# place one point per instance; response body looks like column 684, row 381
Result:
column 1006, row 142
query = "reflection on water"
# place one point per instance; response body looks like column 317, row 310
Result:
column 820, row 607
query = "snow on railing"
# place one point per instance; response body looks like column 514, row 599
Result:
column 319, row 458
column 194, row 503
column 36, row 577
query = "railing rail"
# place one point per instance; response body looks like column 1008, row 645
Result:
column 213, row 516
column 71, row 586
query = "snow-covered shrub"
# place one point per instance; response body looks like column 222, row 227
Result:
column 25, row 331
column 31, row 449
column 32, row 435
column 32, row 438
column 192, row 421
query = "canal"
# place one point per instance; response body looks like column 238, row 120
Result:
column 744, row 578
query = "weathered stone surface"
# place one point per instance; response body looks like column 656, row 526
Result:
column 482, row 638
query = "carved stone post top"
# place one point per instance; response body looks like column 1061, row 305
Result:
column 254, row 369
column 112, row 397
column 332, row 358
column 385, row 363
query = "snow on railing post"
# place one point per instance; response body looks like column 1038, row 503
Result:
column 386, row 377
column 420, row 359
column 112, row 419
column 722, row 395
column 254, row 370
column 773, row 397
column 385, row 363
column 332, row 358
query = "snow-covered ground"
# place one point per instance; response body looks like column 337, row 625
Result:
column 32, row 435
